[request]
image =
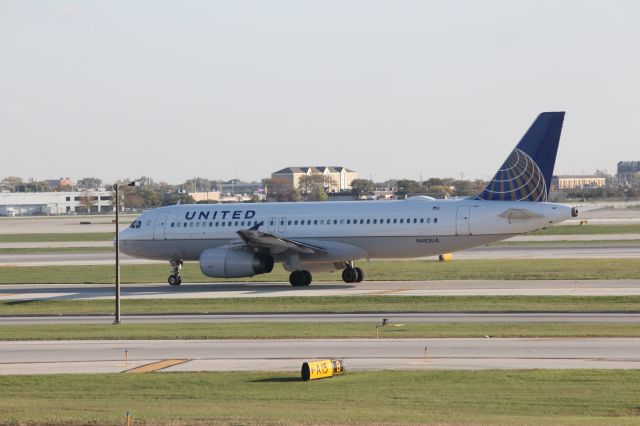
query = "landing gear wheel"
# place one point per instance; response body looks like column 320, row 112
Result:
column 175, row 279
column 300, row 278
column 349, row 275
column 360, row 275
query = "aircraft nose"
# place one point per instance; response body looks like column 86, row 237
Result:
column 122, row 236
column 125, row 241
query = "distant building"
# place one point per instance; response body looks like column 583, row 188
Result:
column 565, row 182
column 629, row 172
column 238, row 187
column 205, row 197
column 217, row 197
column 628, row 167
column 54, row 203
column 340, row 176
column 59, row 183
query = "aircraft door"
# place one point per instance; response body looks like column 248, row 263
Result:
column 272, row 224
column 158, row 227
column 282, row 224
column 462, row 220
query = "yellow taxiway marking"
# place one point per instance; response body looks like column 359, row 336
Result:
column 155, row 366
column 396, row 290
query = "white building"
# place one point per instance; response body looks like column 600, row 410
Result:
column 576, row 182
column 51, row 203
column 341, row 177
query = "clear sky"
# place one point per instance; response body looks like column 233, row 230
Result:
column 219, row 89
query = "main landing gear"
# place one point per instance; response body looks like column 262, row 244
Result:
column 352, row 274
column 300, row 278
column 175, row 278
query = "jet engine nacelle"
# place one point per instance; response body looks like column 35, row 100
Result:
column 234, row 263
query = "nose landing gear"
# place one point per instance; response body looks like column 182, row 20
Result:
column 175, row 278
column 352, row 274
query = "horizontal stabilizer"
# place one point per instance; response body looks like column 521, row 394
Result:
column 512, row 214
column 589, row 207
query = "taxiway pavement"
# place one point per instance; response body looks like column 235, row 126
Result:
column 50, row 357
column 602, row 239
column 550, row 251
column 373, row 318
column 367, row 288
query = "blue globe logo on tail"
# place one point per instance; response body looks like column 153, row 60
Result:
column 519, row 178
column 526, row 173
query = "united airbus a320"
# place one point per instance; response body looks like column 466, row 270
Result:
column 243, row 240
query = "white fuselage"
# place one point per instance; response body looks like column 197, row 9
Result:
column 415, row 227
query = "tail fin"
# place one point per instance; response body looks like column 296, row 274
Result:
column 526, row 173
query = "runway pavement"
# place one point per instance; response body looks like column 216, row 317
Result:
column 520, row 239
column 62, row 224
column 62, row 258
column 50, row 357
column 373, row 318
column 550, row 251
column 367, row 288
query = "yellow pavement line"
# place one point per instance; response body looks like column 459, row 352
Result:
column 396, row 290
column 155, row 366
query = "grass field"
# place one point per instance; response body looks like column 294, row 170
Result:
column 34, row 250
column 297, row 330
column 567, row 243
column 508, row 269
column 57, row 237
column 536, row 397
column 328, row 304
column 589, row 229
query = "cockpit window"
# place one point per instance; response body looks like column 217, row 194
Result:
column 136, row 224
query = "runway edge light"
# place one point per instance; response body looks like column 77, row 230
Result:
column 322, row 369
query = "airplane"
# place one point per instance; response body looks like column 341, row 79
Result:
column 247, row 239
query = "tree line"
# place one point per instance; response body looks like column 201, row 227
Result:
column 150, row 193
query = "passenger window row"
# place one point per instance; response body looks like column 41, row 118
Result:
column 305, row 222
column 291, row 222
column 227, row 224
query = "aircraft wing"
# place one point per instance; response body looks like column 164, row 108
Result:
column 277, row 244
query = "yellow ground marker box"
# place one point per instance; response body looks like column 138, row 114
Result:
column 445, row 257
column 322, row 369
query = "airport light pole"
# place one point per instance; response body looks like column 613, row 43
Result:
column 117, row 289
